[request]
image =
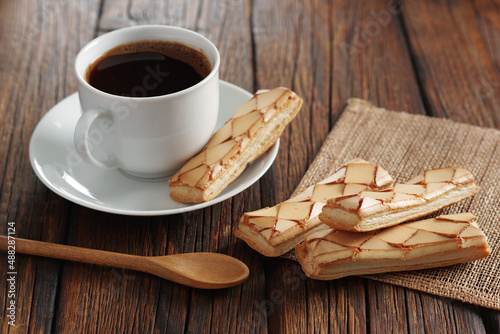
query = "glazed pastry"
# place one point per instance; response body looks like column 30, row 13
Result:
column 436, row 242
column 276, row 230
column 253, row 129
column 424, row 194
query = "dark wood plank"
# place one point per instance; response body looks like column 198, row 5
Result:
column 451, row 315
column 491, row 320
column 455, row 46
column 36, row 72
column 348, row 308
column 371, row 57
column 414, row 313
column 387, row 304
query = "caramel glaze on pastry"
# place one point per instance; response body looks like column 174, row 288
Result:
column 253, row 129
column 276, row 230
column 424, row 194
column 436, row 242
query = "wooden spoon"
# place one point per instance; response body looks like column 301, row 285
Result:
column 203, row 270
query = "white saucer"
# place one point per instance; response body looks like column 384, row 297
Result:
column 55, row 161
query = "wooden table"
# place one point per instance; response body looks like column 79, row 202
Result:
column 440, row 58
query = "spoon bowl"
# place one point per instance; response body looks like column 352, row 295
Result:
column 216, row 270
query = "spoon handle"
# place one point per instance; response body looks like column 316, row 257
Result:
column 72, row 253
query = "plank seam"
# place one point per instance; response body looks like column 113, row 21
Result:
column 411, row 53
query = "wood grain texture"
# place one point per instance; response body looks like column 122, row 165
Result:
column 453, row 47
column 37, row 55
column 438, row 58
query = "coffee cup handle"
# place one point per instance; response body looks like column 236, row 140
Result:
column 82, row 135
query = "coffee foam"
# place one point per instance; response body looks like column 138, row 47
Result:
column 195, row 58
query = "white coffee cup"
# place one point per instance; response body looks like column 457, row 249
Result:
column 147, row 137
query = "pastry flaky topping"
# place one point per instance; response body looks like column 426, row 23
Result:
column 436, row 242
column 253, row 129
column 276, row 230
column 373, row 209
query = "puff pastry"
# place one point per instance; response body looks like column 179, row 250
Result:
column 276, row 230
column 253, row 129
column 436, row 242
column 372, row 209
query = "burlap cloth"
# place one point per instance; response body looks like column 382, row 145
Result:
column 405, row 145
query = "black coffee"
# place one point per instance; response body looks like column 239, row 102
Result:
column 148, row 68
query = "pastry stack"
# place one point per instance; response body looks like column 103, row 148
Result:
column 358, row 222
